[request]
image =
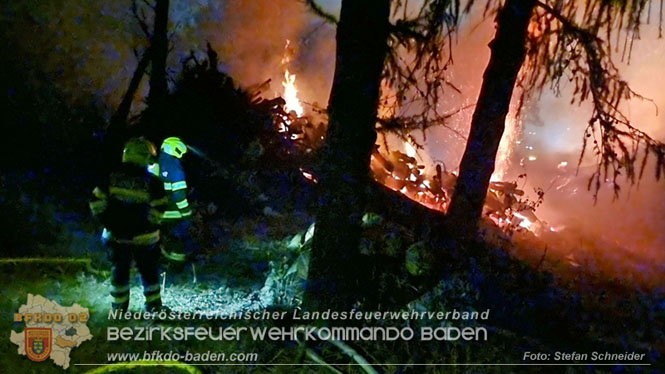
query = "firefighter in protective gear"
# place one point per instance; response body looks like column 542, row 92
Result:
column 178, row 212
column 130, row 205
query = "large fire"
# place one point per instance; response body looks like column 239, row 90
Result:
column 564, row 244
column 628, row 230
column 507, row 208
column 401, row 171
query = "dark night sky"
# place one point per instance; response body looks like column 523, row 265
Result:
column 85, row 47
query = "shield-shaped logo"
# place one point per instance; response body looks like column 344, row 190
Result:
column 38, row 343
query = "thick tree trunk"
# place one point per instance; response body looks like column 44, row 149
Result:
column 488, row 123
column 159, row 48
column 362, row 34
column 402, row 210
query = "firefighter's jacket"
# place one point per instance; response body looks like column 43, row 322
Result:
column 130, row 205
column 172, row 174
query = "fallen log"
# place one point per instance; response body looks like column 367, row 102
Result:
column 402, row 210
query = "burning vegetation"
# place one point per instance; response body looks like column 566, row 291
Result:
column 360, row 203
column 507, row 207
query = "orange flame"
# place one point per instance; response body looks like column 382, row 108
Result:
column 509, row 139
column 291, row 94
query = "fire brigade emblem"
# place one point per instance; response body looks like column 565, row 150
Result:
column 38, row 343
column 51, row 331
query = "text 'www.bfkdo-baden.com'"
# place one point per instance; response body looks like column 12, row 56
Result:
column 186, row 356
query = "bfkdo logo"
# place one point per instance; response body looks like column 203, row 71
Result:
column 51, row 330
column 38, row 343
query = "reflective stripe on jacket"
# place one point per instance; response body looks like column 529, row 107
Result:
column 173, row 175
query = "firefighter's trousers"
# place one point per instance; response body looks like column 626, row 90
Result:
column 147, row 263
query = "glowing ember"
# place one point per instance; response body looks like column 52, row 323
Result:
column 525, row 222
column 308, row 176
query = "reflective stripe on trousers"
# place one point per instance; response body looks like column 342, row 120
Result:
column 146, row 239
column 175, row 186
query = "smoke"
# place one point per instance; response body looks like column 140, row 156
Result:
column 630, row 229
column 251, row 39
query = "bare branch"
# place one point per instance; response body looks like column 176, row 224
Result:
column 561, row 47
column 141, row 19
column 416, row 67
column 149, row 4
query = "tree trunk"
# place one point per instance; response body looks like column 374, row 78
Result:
column 488, row 123
column 362, row 34
column 159, row 48
column 117, row 131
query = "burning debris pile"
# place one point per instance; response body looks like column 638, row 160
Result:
column 506, row 205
